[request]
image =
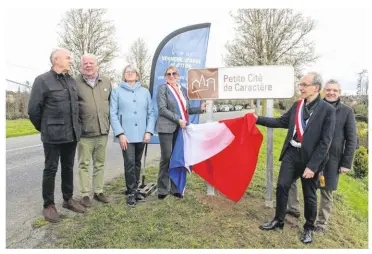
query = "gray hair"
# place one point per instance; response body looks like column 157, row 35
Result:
column 54, row 52
column 132, row 66
column 333, row 81
column 91, row 56
column 317, row 79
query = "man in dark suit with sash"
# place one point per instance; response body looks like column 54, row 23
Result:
column 310, row 123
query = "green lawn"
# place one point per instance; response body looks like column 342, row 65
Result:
column 200, row 221
column 20, row 127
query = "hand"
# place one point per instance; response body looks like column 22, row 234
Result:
column 344, row 170
column 182, row 123
column 255, row 116
column 123, row 142
column 203, row 106
column 308, row 173
column 147, row 137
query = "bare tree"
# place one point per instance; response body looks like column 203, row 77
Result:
column 139, row 56
column 270, row 37
column 85, row 31
column 362, row 85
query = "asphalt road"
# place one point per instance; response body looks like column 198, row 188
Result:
column 24, row 168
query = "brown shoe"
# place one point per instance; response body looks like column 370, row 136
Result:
column 101, row 197
column 74, row 206
column 50, row 214
column 85, row 201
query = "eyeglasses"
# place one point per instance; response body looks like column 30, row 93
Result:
column 305, row 85
column 172, row 74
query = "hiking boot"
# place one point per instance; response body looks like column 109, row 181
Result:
column 50, row 214
column 131, row 200
column 139, row 198
column 85, row 201
column 101, row 197
column 74, row 206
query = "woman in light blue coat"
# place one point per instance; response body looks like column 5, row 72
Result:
column 133, row 122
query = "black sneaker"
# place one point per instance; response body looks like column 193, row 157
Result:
column 139, row 198
column 131, row 200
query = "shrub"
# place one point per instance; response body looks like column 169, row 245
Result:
column 361, row 162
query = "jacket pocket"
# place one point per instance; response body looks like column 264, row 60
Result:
column 86, row 123
column 58, row 94
column 56, row 129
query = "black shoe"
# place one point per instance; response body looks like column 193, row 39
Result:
column 271, row 225
column 162, row 196
column 139, row 198
column 177, row 195
column 307, row 237
column 131, row 200
column 293, row 213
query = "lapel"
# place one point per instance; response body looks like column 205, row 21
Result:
column 314, row 115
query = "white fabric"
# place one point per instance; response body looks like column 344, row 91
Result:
column 202, row 141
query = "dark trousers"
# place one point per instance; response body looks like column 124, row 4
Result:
column 291, row 169
column 132, row 165
column 53, row 152
column 167, row 141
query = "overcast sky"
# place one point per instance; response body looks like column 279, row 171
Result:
column 340, row 36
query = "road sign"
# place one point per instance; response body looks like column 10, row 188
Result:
column 254, row 82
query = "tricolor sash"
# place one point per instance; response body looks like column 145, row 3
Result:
column 178, row 174
column 300, row 122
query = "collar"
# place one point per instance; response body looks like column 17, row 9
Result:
column 311, row 104
column 59, row 75
column 97, row 77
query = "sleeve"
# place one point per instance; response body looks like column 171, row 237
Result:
column 150, row 115
column 351, row 141
column 36, row 102
column 114, row 113
column 278, row 122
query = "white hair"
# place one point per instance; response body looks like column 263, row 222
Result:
column 54, row 52
column 90, row 56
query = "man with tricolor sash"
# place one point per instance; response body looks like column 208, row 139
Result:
column 310, row 123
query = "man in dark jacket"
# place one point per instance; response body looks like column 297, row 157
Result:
column 340, row 156
column 310, row 123
column 54, row 111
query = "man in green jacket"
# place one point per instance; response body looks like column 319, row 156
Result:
column 94, row 93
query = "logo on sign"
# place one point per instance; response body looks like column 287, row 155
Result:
column 203, row 83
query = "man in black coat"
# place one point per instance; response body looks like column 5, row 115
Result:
column 310, row 123
column 54, row 111
column 341, row 156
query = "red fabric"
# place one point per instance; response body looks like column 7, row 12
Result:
column 179, row 98
column 231, row 170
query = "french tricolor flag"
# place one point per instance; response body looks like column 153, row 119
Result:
column 223, row 153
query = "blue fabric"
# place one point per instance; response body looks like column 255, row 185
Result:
column 177, row 169
column 131, row 112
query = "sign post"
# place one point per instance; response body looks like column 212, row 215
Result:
column 254, row 82
column 269, row 156
column 210, row 188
